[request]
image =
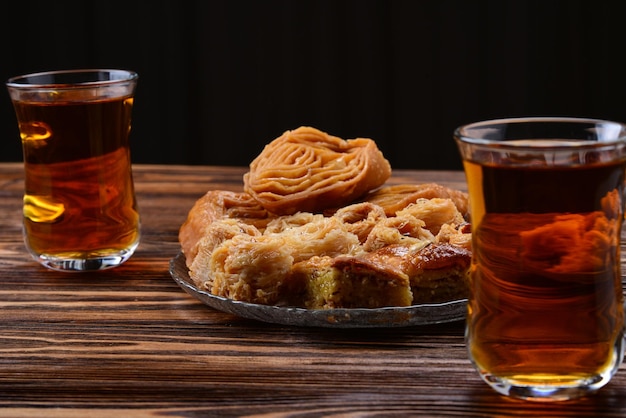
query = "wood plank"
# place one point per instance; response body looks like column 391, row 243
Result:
column 128, row 341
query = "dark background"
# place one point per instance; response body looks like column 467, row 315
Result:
column 219, row 79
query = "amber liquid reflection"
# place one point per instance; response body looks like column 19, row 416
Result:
column 79, row 200
column 546, row 295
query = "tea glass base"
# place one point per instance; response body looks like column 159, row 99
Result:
column 78, row 262
column 545, row 393
column 542, row 391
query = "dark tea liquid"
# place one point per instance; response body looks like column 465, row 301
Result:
column 546, row 295
column 79, row 199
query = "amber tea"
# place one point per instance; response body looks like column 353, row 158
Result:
column 79, row 204
column 545, row 315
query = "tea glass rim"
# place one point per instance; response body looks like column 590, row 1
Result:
column 461, row 134
column 22, row 81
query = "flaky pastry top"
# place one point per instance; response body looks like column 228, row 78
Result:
column 307, row 170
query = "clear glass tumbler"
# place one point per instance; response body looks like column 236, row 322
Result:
column 80, row 211
column 545, row 315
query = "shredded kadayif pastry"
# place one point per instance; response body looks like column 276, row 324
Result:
column 396, row 197
column 314, row 247
column 216, row 205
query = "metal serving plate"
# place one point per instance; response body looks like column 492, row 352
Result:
column 329, row 318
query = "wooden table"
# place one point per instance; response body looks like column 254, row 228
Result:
column 129, row 342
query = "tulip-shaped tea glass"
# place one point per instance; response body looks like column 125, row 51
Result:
column 545, row 316
column 79, row 201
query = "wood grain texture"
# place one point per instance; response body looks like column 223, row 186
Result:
column 128, row 342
